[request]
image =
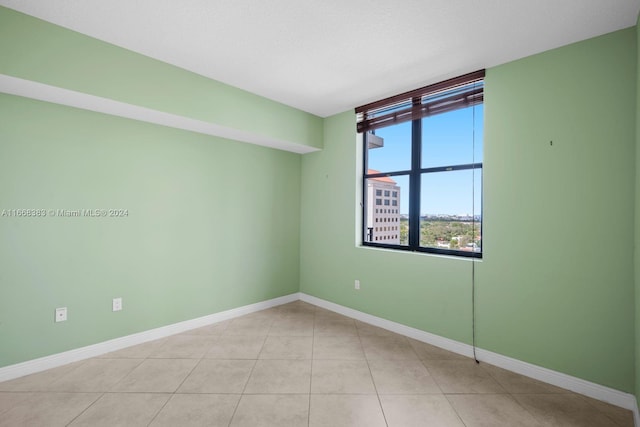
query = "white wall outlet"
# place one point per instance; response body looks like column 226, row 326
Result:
column 61, row 314
column 357, row 285
column 117, row 304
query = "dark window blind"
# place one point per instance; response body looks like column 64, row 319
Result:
column 458, row 92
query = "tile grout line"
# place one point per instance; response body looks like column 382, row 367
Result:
column 375, row 387
column 508, row 393
column 522, row 406
column 313, row 339
column 428, row 371
column 201, row 358
column 590, row 403
column 177, row 388
column 174, row 392
column 446, row 396
column 85, row 409
column 102, row 394
column 255, row 361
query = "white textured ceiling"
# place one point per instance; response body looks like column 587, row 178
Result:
column 328, row 56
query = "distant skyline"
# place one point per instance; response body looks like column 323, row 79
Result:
column 447, row 139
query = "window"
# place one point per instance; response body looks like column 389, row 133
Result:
column 424, row 148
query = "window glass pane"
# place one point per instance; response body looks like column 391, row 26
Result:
column 387, row 216
column 450, row 138
column 450, row 210
column 389, row 150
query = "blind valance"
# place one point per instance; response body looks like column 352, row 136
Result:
column 448, row 95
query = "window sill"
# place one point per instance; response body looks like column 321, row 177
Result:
column 401, row 250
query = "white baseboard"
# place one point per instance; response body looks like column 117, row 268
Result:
column 43, row 363
column 442, row 342
column 593, row 390
column 596, row 391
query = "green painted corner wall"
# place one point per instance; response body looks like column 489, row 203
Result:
column 212, row 225
column 637, row 220
column 36, row 50
column 555, row 286
column 428, row 293
column 556, row 281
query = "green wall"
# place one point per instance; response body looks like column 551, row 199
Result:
column 36, row 50
column 555, row 286
column 637, row 218
column 557, row 278
column 429, row 293
column 212, row 225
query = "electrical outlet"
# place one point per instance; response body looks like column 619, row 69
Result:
column 357, row 285
column 117, row 304
column 61, row 314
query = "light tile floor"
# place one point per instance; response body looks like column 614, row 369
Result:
column 293, row 365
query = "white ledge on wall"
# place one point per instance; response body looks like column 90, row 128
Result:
column 43, row 92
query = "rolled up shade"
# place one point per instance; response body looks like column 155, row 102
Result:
column 458, row 92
